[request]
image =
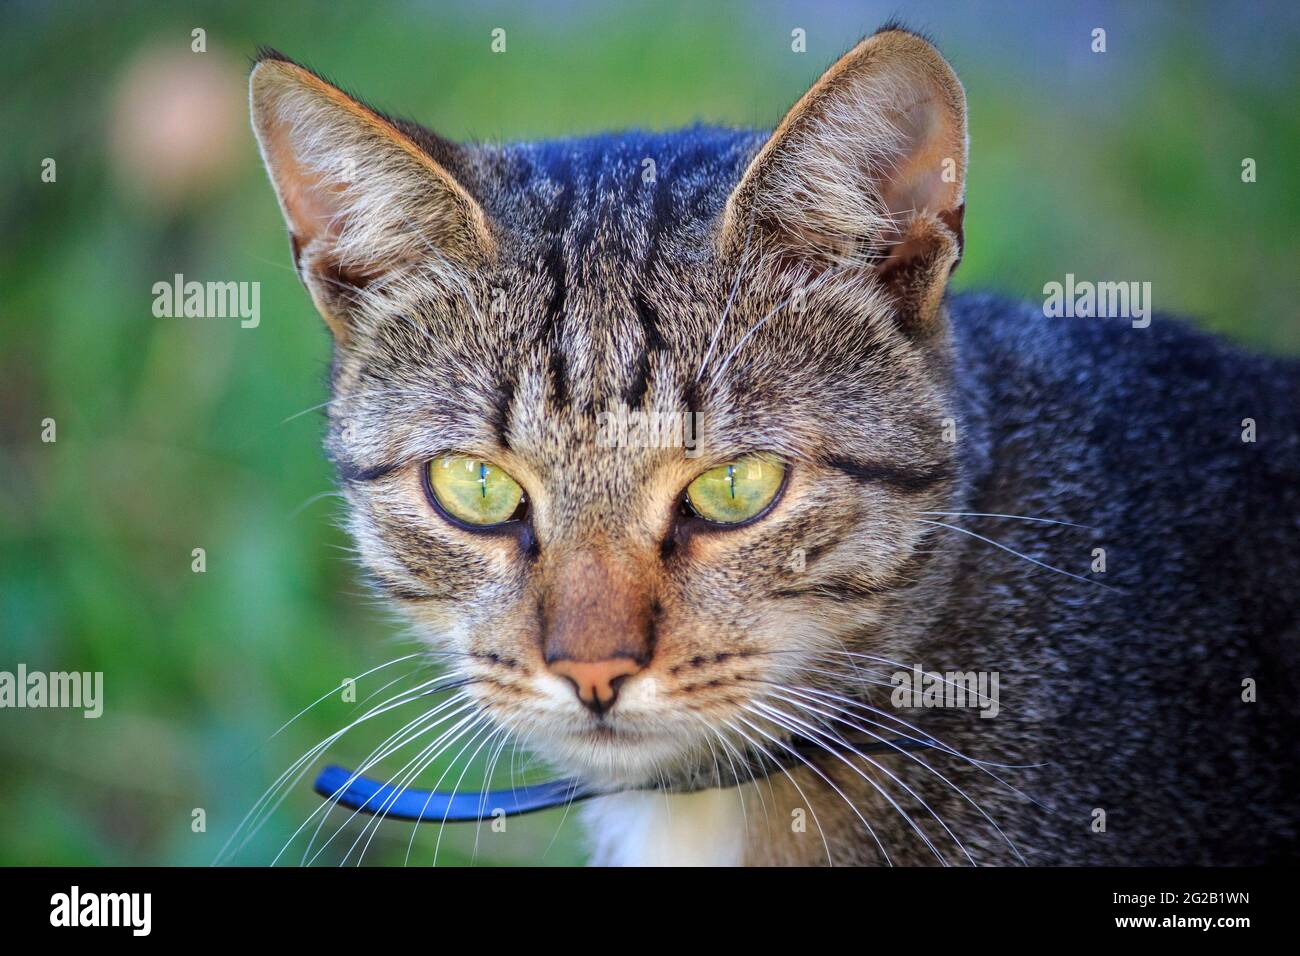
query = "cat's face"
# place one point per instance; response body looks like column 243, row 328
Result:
column 623, row 596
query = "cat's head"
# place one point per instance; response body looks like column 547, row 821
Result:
column 623, row 589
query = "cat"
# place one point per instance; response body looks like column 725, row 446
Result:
column 884, row 480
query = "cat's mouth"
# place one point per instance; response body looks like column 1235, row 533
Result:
column 605, row 732
column 665, row 754
column 618, row 754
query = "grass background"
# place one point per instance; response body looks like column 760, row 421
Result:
column 172, row 433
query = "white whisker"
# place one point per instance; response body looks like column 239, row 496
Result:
column 1010, row 550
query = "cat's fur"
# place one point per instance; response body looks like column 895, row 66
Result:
column 494, row 300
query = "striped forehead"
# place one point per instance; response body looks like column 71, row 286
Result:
column 600, row 228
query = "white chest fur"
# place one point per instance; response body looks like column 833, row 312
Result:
column 645, row 828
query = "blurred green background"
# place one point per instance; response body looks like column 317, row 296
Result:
column 175, row 434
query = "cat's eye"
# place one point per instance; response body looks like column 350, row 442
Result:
column 474, row 491
column 737, row 491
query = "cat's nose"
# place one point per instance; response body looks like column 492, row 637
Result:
column 597, row 622
column 596, row 682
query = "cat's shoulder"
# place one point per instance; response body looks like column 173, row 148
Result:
column 999, row 335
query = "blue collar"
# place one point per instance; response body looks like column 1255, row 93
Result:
column 367, row 795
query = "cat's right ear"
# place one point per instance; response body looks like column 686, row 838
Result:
column 363, row 199
column 867, row 169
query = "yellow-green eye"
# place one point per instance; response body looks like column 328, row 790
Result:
column 474, row 491
column 735, row 492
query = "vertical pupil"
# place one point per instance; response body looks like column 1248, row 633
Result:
column 482, row 478
column 731, row 479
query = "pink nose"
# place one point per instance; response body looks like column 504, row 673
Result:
column 596, row 682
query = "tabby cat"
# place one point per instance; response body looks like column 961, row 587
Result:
column 853, row 479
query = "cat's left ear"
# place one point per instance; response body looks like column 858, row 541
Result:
column 364, row 196
column 869, row 167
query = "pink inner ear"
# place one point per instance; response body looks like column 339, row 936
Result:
column 916, row 183
column 312, row 207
